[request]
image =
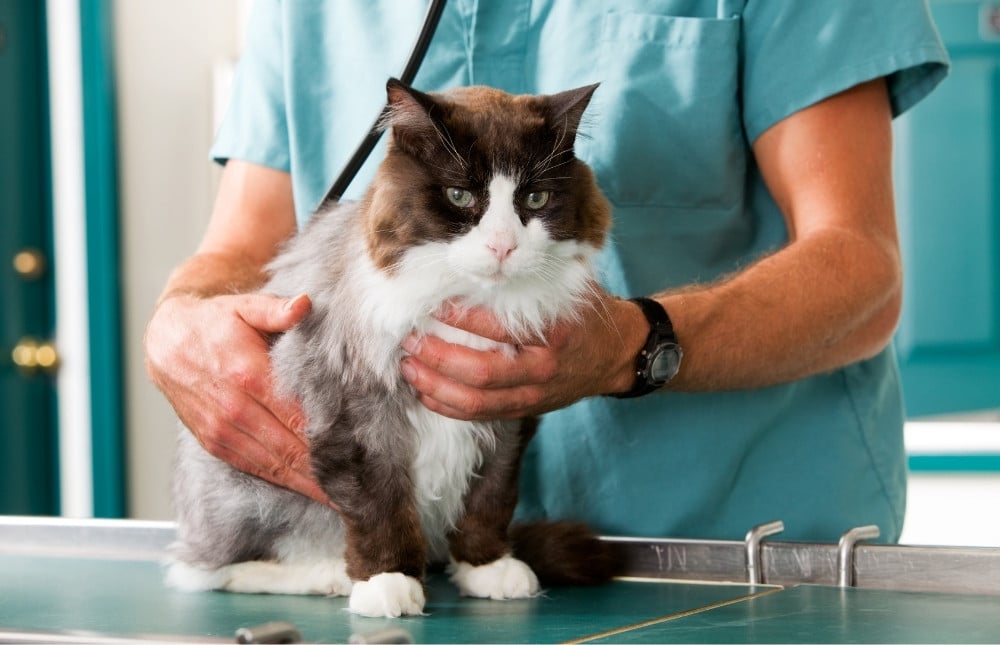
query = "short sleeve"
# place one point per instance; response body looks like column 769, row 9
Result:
column 797, row 53
column 255, row 127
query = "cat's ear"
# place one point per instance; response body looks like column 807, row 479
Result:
column 565, row 109
column 412, row 115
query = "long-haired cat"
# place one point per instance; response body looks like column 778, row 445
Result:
column 480, row 202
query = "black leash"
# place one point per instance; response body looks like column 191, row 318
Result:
column 431, row 19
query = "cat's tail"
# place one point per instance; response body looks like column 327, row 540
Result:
column 566, row 553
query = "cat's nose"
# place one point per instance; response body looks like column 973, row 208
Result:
column 501, row 248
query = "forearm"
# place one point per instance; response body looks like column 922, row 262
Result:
column 829, row 298
column 820, row 303
column 215, row 273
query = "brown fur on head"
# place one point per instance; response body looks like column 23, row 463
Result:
column 463, row 138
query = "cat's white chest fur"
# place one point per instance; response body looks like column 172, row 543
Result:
column 446, row 457
column 448, row 452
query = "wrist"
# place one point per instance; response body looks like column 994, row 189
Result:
column 658, row 360
column 634, row 330
column 206, row 275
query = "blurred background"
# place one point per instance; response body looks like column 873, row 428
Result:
column 107, row 112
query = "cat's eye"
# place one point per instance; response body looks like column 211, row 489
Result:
column 536, row 200
column 459, row 196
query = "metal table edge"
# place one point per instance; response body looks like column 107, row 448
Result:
column 964, row 570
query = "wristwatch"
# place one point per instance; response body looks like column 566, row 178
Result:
column 660, row 358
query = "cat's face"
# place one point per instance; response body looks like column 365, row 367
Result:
column 486, row 186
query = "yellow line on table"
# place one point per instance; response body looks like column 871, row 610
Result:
column 664, row 619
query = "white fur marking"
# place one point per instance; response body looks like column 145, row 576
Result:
column 326, row 578
column 500, row 224
column 448, row 453
column 388, row 594
column 502, row 579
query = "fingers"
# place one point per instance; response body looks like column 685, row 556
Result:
column 477, row 320
column 248, row 370
column 468, row 384
column 271, row 314
column 488, row 369
column 264, row 433
column 457, row 400
column 464, row 383
column 253, row 458
column 234, row 426
column 209, row 358
column 578, row 357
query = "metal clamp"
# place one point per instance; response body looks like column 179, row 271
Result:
column 385, row 636
column 845, row 552
column 276, row 632
column 755, row 571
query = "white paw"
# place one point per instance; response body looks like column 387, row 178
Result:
column 501, row 579
column 186, row 577
column 388, row 594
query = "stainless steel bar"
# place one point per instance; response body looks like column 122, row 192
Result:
column 962, row 570
column 85, row 538
column 968, row 570
column 83, row 638
column 707, row 560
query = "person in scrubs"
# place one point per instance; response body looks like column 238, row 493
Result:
column 746, row 148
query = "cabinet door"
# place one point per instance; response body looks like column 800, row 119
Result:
column 947, row 163
column 28, row 464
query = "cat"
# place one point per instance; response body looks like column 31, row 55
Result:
column 479, row 202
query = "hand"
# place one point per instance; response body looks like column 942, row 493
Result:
column 209, row 356
column 593, row 354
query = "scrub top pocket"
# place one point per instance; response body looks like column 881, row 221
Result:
column 663, row 136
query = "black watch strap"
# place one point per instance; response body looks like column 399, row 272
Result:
column 661, row 330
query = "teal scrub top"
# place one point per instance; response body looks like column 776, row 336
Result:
column 686, row 87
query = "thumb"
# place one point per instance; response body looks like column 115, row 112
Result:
column 271, row 314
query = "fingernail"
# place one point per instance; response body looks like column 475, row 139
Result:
column 290, row 303
column 410, row 344
column 409, row 372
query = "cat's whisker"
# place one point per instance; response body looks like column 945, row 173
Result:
column 598, row 304
column 543, row 164
column 449, row 146
column 558, row 149
column 550, row 168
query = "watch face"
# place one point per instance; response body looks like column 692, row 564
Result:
column 665, row 364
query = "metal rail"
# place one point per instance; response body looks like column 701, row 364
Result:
column 963, row 570
column 942, row 569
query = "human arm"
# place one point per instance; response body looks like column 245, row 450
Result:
column 828, row 298
column 832, row 295
column 206, row 342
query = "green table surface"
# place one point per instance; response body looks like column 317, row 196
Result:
column 812, row 614
column 127, row 597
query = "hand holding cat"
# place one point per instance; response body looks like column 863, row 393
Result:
column 588, row 356
column 210, row 357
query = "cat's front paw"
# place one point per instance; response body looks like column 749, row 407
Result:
column 388, row 595
column 502, row 579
